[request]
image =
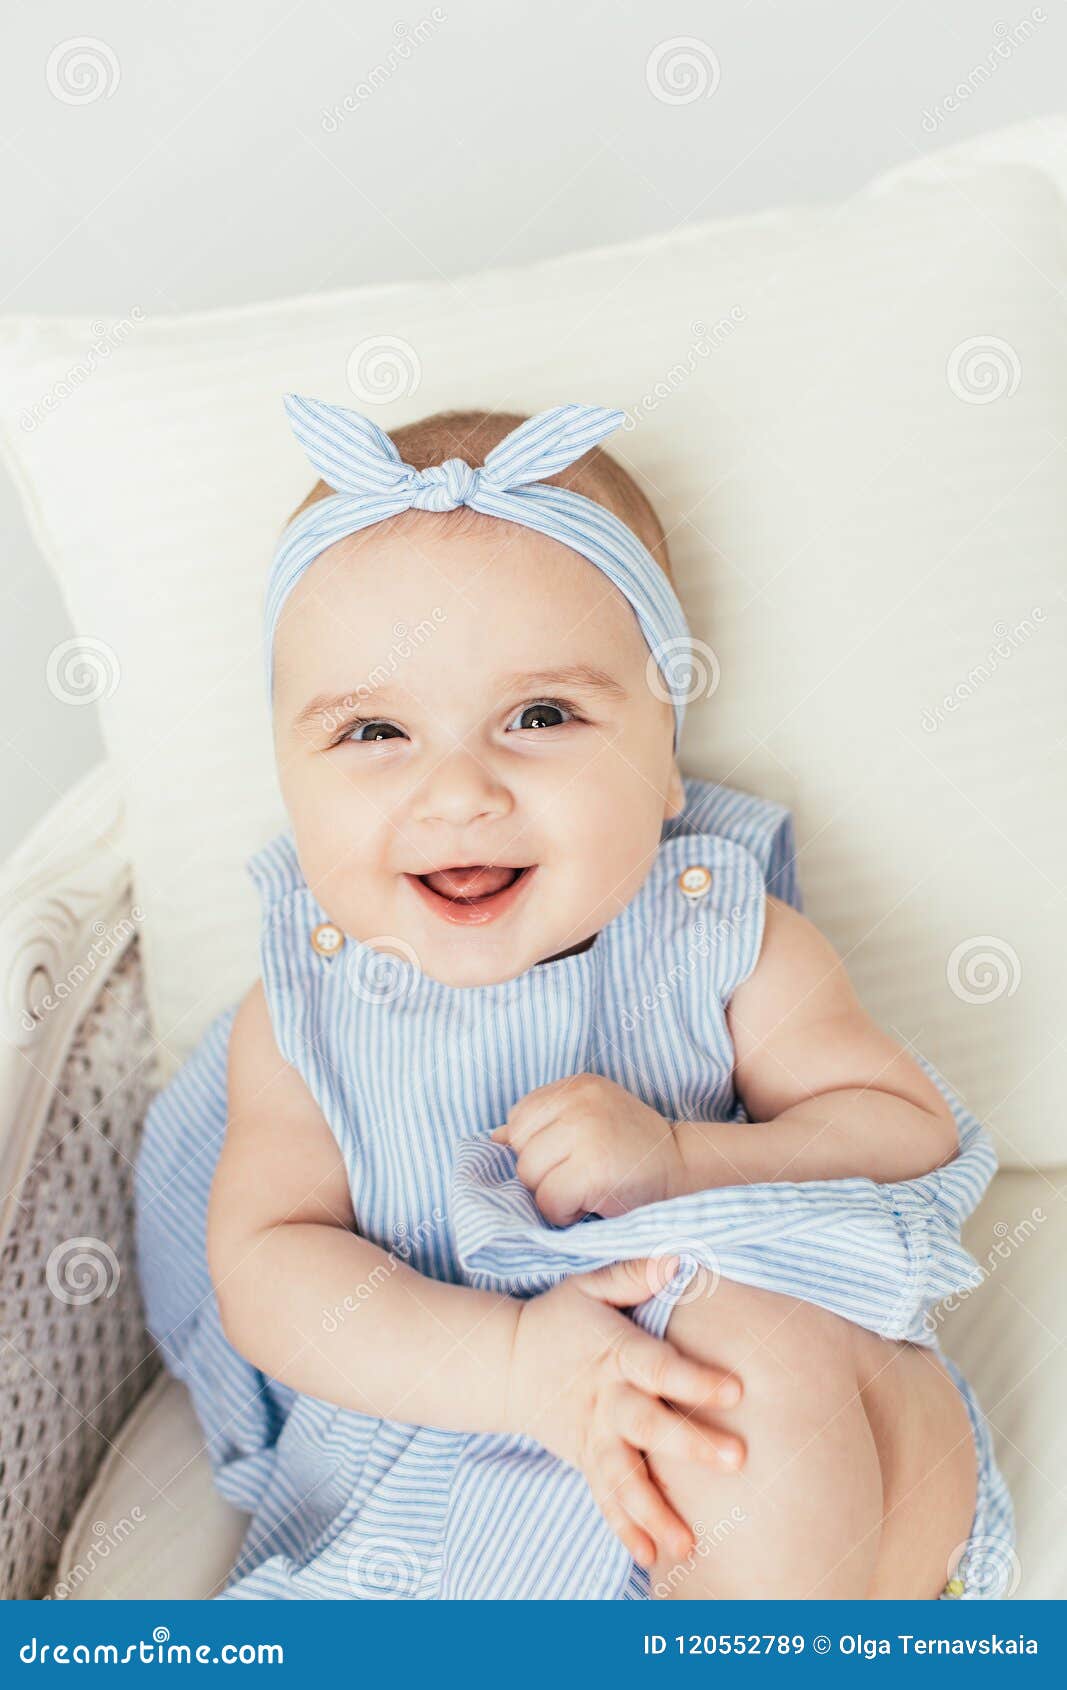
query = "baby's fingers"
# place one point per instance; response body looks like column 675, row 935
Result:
column 655, row 1366
column 635, row 1541
column 650, row 1425
column 635, row 1508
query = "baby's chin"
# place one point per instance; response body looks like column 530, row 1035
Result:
column 469, row 967
column 469, row 973
column 471, row 959
column 463, row 960
column 463, row 970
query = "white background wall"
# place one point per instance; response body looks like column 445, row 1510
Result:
column 515, row 129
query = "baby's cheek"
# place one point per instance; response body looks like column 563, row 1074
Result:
column 336, row 870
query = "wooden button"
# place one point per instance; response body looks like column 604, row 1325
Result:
column 695, row 882
column 326, row 939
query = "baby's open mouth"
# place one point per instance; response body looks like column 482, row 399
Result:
column 476, row 881
column 474, row 893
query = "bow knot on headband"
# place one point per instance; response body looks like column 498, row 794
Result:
column 372, row 482
column 444, row 486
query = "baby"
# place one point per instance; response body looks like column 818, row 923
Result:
column 526, row 988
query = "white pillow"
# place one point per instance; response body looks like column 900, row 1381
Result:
column 852, row 421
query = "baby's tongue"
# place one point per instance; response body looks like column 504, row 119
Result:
column 474, row 882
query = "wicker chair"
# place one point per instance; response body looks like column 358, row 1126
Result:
column 77, row 1071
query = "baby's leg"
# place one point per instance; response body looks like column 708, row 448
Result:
column 860, row 1477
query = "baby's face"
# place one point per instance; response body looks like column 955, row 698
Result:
column 481, row 698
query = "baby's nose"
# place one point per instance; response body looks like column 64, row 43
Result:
column 444, row 486
column 460, row 789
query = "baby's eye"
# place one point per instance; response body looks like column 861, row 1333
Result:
column 543, row 714
column 378, row 730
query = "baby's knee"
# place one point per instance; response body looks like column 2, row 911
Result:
column 802, row 1515
column 778, row 1346
column 801, row 1410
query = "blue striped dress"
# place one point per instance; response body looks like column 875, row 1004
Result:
column 412, row 1074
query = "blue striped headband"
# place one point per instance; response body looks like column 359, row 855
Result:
column 372, row 482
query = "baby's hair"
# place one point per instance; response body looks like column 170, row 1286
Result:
column 471, row 435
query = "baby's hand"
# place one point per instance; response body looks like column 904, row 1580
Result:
column 586, row 1146
column 588, row 1383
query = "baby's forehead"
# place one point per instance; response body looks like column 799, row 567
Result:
column 456, row 544
column 473, row 601
column 489, row 569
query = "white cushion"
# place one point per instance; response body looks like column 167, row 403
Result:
column 1008, row 1337
column 152, row 1524
column 852, row 419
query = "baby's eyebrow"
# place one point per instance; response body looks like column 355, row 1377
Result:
column 585, row 676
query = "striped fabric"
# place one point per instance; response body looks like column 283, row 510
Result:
column 412, row 1074
column 357, row 458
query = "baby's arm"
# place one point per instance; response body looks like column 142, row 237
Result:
column 307, row 1300
column 829, row 1095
